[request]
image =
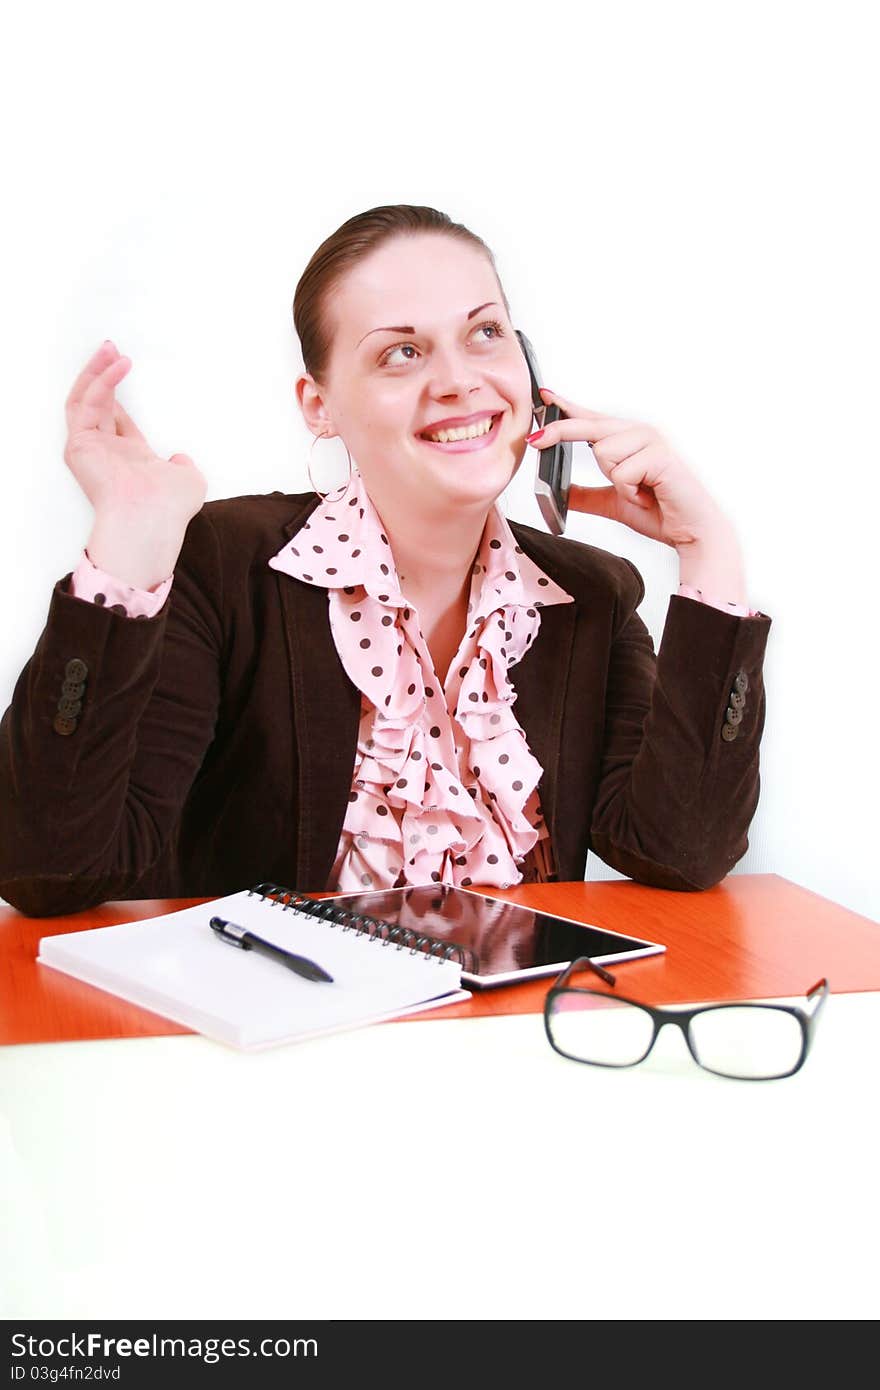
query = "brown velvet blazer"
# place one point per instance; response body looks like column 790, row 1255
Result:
column 211, row 748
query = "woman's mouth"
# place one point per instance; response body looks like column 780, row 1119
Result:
column 465, row 446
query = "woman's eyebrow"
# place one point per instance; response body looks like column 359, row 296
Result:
column 402, row 328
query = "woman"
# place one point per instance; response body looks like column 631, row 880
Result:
column 390, row 684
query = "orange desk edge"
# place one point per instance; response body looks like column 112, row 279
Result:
column 752, row 936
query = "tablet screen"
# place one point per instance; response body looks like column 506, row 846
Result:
column 510, row 942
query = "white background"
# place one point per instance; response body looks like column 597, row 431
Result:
column 458, row 1170
column 681, row 203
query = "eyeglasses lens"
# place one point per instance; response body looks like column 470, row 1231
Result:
column 750, row 1042
column 598, row 1028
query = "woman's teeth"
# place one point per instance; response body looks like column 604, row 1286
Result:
column 470, row 432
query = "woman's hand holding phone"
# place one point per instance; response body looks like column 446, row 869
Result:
column 653, row 491
column 142, row 503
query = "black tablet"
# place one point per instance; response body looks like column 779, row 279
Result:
column 505, row 941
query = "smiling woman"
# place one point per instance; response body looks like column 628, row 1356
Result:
column 391, row 684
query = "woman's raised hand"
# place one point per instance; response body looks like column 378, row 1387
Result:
column 653, row 491
column 142, row 503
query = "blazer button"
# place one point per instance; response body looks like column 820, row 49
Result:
column 733, row 716
column 72, row 690
column 63, row 725
column 737, row 701
column 76, row 669
column 741, row 682
column 729, row 732
column 69, row 708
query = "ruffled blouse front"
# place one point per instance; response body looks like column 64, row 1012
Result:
column 444, row 786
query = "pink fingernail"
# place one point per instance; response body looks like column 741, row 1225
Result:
column 530, row 438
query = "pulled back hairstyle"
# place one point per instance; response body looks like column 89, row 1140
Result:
column 343, row 250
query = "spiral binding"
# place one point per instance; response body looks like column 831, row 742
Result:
column 402, row 938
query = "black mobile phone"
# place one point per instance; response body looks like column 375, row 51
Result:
column 553, row 476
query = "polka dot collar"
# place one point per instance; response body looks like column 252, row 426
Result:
column 343, row 545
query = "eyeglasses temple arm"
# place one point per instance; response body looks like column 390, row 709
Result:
column 820, row 989
column 584, row 962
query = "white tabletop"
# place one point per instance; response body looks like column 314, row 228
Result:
column 454, row 1168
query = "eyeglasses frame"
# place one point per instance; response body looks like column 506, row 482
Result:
column 681, row 1018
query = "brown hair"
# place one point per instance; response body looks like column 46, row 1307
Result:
column 351, row 243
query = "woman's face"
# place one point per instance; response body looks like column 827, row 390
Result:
column 421, row 337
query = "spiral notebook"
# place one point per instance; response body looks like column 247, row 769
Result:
column 175, row 966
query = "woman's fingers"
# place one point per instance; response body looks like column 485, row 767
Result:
column 90, row 402
column 568, row 407
column 612, row 440
column 641, row 463
column 94, row 410
column 124, row 423
column 97, row 362
column 598, row 501
column 652, row 489
column 623, row 436
column 100, row 389
column 626, row 452
column 614, row 449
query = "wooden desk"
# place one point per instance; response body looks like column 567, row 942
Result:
column 754, row 935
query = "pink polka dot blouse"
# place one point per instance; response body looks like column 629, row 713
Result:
column 444, row 786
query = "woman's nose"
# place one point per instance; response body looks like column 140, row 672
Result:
column 452, row 374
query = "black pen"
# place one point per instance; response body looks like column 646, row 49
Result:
column 246, row 941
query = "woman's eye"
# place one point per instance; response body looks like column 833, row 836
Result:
column 496, row 332
column 386, row 356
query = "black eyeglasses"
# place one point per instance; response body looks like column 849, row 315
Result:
column 748, row 1042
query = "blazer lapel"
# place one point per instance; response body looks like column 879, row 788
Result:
column 540, row 680
column 326, row 717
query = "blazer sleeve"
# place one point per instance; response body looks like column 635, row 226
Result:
column 108, row 726
column 679, row 780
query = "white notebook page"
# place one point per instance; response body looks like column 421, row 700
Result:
column 176, row 966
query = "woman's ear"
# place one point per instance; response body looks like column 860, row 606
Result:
column 314, row 410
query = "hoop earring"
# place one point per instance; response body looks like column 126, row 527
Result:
column 321, row 494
